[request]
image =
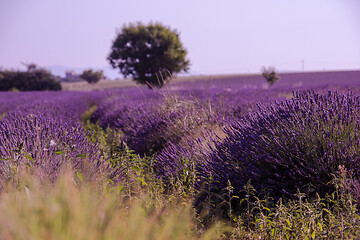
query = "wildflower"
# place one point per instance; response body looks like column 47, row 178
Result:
column 52, row 143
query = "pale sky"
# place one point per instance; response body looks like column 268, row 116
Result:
column 222, row 37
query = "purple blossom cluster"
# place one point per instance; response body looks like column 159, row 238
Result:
column 45, row 145
column 183, row 161
column 42, row 131
column 68, row 106
column 290, row 145
column 149, row 126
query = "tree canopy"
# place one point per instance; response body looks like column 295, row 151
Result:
column 143, row 51
column 270, row 75
column 91, row 76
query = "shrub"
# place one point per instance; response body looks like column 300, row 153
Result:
column 32, row 79
column 46, row 145
column 270, row 75
column 291, row 145
column 149, row 126
column 177, row 166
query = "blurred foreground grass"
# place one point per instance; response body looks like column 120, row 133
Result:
column 73, row 210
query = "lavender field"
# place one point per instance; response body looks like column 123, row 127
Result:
column 214, row 158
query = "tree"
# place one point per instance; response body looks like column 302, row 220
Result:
column 143, row 51
column 270, row 75
column 31, row 80
column 91, row 76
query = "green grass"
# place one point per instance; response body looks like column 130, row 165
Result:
column 73, row 209
column 69, row 210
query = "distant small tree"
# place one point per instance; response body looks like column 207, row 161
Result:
column 31, row 67
column 144, row 51
column 270, row 74
column 91, row 76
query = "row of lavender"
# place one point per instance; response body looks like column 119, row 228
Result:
column 228, row 134
column 42, row 131
column 217, row 132
column 291, row 145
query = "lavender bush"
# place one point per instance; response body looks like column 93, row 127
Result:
column 291, row 145
column 149, row 126
column 46, row 146
column 42, row 132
